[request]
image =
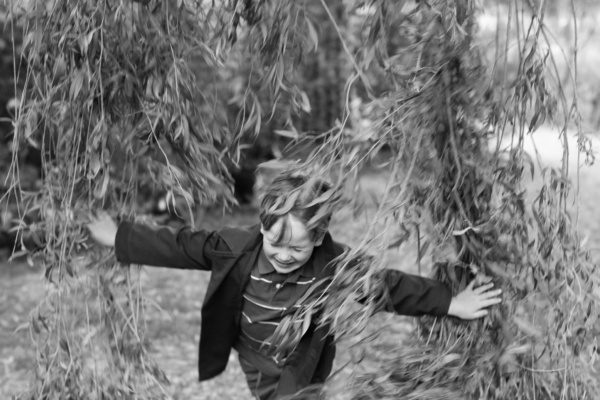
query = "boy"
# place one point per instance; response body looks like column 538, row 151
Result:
column 259, row 274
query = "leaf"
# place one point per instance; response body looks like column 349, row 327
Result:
column 76, row 85
column 60, row 67
column 100, row 189
column 368, row 56
column 65, row 345
column 448, row 358
column 282, row 209
column 148, row 93
column 285, row 133
column 186, row 92
column 84, row 42
column 306, row 322
column 374, row 32
column 316, row 285
column 322, row 198
column 305, row 104
column 312, row 34
column 250, row 121
column 280, row 73
column 538, row 119
column 94, row 165
column 25, row 325
column 35, row 325
column 526, row 327
column 322, row 213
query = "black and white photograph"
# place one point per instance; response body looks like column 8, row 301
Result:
column 299, row 199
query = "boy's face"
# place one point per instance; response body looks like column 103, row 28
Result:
column 295, row 248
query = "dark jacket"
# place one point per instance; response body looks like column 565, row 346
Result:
column 230, row 255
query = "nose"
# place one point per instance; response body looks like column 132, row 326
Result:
column 284, row 256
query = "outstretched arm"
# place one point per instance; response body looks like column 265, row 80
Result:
column 416, row 295
column 159, row 246
column 472, row 302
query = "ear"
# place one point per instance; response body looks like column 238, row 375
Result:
column 320, row 235
column 262, row 229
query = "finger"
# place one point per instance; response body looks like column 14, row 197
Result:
column 491, row 294
column 484, row 288
column 490, row 302
column 471, row 285
column 495, row 300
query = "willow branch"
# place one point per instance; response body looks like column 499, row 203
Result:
column 359, row 71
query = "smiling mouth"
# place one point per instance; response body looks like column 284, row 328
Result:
column 285, row 264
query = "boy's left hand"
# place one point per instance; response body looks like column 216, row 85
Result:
column 471, row 303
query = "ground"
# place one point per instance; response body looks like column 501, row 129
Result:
column 174, row 327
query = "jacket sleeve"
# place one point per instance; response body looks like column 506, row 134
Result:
column 415, row 295
column 164, row 246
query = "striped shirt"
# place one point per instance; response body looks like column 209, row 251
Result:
column 268, row 299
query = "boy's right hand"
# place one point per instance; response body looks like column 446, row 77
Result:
column 103, row 229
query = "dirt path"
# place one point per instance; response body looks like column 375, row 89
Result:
column 21, row 288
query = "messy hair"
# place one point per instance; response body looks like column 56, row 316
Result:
column 302, row 196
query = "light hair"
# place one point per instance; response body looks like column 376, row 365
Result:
column 293, row 193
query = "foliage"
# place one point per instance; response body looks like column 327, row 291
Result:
column 8, row 84
column 115, row 107
column 123, row 97
column 453, row 137
column 11, row 77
